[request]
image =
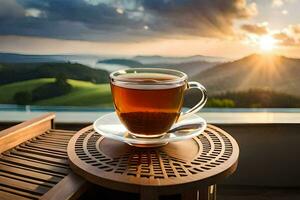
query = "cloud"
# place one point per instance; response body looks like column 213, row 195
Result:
column 284, row 12
column 257, row 29
column 289, row 36
column 294, row 29
column 206, row 17
column 285, row 39
column 122, row 20
column 277, row 3
column 10, row 10
column 32, row 12
column 281, row 3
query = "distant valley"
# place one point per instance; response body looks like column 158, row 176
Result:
column 73, row 80
column 190, row 64
column 253, row 81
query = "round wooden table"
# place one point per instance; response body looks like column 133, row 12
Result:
column 190, row 168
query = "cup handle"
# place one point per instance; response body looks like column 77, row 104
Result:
column 200, row 104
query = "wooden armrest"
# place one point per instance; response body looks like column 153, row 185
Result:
column 15, row 135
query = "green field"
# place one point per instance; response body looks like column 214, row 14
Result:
column 82, row 93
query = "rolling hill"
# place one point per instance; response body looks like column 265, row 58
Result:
column 14, row 72
column 11, row 89
column 189, row 67
column 276, row 73
column 82, row 93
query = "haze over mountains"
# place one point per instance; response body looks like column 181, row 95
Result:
column 277, row 73
column 26, row 58
column 89, row 60
column 190, row 64
column 177, row 60
column 190, row 68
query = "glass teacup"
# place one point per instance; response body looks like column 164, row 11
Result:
column 148, row 101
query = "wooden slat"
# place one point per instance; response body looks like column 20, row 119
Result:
column 26, row 179
column 61, row 131
column 48, row 143
column 50, row 133
column 33, row 160
column 19, row 192
column 15, row 135
column 54, row 138
column 22, row 185
column 44, row 158
column 29, row 174
column 35, row 165
column 10, row 196
column 42, row 152
column 57, row 140
column 58, row 148
column 29, row 168
column 69, row 188
column 36, row 146
column 57, row 135
column 51, row 139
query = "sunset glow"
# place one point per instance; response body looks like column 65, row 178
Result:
column 230, row 29
column 267, row 43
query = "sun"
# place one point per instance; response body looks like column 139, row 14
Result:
column 267, row 43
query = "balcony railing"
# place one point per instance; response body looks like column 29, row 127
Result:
column 268, row 140
column 68, row 114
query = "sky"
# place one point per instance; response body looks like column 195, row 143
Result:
column 225, row 28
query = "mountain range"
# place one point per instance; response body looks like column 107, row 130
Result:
column 273, row 72
column 27, row 58
column 88, row 60
column 190, row 68
column 16, row 72
column 177, row 60
column 264, row 71
column 189, row 64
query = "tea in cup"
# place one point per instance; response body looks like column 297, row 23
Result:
column 148, row 101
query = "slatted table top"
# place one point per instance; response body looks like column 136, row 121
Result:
column 32, row 168
column 201, row 161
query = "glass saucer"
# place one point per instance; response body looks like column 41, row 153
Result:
column 111, row 127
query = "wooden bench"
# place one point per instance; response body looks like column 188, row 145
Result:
column 34, row 162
